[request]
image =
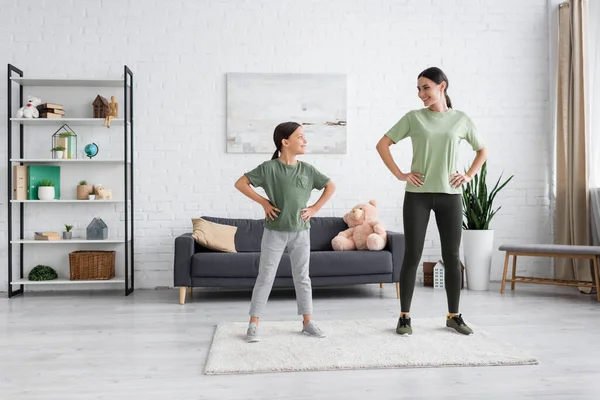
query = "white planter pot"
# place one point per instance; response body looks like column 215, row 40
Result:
column 46, row 193
column 58, row 154
column 478, row 246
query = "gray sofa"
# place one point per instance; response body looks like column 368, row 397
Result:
column 197, row 266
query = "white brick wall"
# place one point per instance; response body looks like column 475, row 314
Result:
column 494, row 52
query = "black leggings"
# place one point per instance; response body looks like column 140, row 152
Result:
column 448, row 216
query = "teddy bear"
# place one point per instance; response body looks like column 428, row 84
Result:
column 364, row 232
column 30, row 109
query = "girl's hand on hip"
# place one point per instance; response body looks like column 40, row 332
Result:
column 457, row 180
column 270, row 211
column 307, row 213
column 414, row 178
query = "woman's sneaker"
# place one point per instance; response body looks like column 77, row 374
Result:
column 458, row 324
column 403, row 328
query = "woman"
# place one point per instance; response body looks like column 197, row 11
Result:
column 433, row 184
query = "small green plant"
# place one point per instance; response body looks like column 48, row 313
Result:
column 58, row 148
column 478, row 208
column 68, row 227
column 83, row 183
column 42, row 273
column 46, row 182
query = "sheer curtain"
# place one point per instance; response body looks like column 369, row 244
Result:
column 594, row 117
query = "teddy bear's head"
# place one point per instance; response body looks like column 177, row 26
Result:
column 33, row 101
column 361, row 213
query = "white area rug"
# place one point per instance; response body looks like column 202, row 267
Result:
column 365, row 344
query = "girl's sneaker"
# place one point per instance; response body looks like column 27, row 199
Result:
column 252, row 333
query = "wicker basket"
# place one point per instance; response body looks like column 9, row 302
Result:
column 92, row 265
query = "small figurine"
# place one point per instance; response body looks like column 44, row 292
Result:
column 113, row 111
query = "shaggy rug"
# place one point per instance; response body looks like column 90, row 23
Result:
column 364, row 344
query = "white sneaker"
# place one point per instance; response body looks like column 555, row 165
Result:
column 252, row 333
column 312, row 329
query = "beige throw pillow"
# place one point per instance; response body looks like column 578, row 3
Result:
column 214, row 236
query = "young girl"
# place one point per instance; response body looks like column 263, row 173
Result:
column 288, row 184
column 433, row 184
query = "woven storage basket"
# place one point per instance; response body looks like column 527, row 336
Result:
column 92, row 265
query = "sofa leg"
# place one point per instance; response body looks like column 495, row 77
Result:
column 381, row 286
column 398, row 290
column 182, row 293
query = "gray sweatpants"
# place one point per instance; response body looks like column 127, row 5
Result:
column 271, row 249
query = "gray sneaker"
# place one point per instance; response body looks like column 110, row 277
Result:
column 311, row 329
column 252, row 333
column 458, row 325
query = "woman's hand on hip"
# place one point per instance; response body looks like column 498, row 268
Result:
column 414, row 178
column 457, row 180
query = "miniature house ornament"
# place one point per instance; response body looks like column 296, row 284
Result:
column 97, row 230
column 438, row 275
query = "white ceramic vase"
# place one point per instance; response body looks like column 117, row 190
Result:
column 46, row 192
column 478, row 247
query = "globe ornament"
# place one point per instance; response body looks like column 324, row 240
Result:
column 91, row 150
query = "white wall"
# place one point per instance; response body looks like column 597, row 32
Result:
column 496, row 55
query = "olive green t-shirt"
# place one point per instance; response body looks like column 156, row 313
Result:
column 288, row 187
column 435, row 138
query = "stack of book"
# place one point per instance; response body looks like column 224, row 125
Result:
column 46, row 236
column 50, row 110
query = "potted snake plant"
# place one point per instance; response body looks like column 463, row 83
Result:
column 478, row 238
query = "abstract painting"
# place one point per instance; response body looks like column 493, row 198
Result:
column 258, row 102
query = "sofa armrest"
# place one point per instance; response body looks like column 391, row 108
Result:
column 395, row 244
column 185, row 247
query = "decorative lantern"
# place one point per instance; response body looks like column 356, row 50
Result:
column 97, row 230
column 66, row 138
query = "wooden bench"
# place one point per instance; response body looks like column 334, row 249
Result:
column 550, row 250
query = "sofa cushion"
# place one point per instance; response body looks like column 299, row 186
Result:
column 322, row 263
column 248, row 235
column 225, row 265
column 213, row 235
column 341, row 263
column 322, row 230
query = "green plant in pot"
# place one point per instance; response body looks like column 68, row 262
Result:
column 42, row 273
column 46, row 190
column 478, row 239
column 58, row 151
column 67, row 234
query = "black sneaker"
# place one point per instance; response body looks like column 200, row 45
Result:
column 458, row 325
column 403, row 328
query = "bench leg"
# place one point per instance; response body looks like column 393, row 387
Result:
column 504, row 273
column 596, row 278
column 381, row 286
column 398, row 290
column 514, row 272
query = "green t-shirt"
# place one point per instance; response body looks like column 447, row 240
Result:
column 435, row 140
column 288, row 187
